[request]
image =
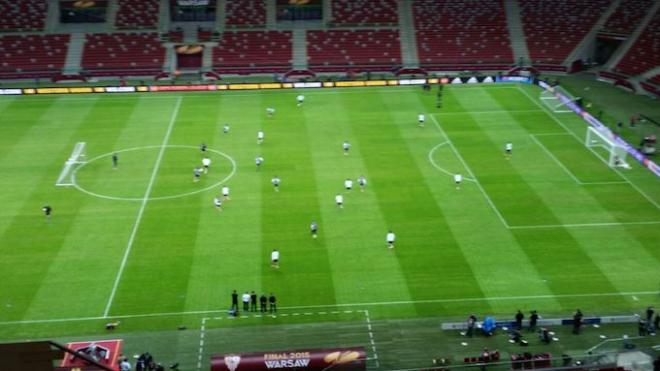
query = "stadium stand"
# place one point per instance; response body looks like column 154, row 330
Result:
column 364, row 12
column 645, row 52
column 32, row 56
column 123, row 54
column 553, row 28
column 22, row 15
column 655, row 79
column 462, row 32
column 137, row 14
column 246, row 52
column 370, row 50
column 627, row 16
column 245, row 13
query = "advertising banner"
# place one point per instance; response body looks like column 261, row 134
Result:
column 10, row 91
column 345, row 359
column 120, row 89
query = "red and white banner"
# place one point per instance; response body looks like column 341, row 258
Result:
column 345, row 359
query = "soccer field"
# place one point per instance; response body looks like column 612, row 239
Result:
column 551, row 228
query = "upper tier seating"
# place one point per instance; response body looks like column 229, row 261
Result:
column 553, row 28
column 627, row 16
column 137, row 14
column 655, row 79
column 462, row 32
column 132, row 53
column 328, row 50
column 364, row 12
column 645, row 52
column 32, row 55
column 245, row 13
column 253, row 51
column 22, row 15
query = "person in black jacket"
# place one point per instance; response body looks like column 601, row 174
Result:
column 273, row 303
column 533, row 319
column 253, row 302
column 577, row 322
column 519, row 319
column 234, row 301
column 263, row 300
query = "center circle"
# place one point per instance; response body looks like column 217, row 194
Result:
column 185, row 172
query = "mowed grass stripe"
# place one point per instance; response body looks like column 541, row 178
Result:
column 546, row 249
column 488, row 247
column 362, row 269
column 17, row 117
column 228, row 245
column 162, row 253
column 429, row 255
column 305, row 275
column 97, row 232
column 29, row 242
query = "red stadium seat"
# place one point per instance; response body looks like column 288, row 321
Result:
column 22, row 15
column 645, row 52
column 32, row 55
column 245, row 13
column 253, row 51
column 364, row 12
column 137, row 14
column 553, row 28
column 462, row 32
column 627, row 16
column 337, row 49
column 124, row 53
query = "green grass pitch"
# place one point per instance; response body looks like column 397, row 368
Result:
column 551, row 228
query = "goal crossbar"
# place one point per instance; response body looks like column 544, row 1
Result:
column 603, row 138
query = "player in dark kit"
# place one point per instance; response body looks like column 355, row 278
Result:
column 273, row 303
column 202, row 147
column 253, row 301
column 47, row 210
column 263, row 300
column 234, row 300
column 314, row 228
column 115, row 160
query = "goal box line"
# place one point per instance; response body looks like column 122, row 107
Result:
column 78, row 156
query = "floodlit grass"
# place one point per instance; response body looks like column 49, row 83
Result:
column 552, row 228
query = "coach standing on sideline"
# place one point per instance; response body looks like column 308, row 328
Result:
column 234, row 300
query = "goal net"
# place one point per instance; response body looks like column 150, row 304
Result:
column 78, row 156
column 616, row 154
column 551, row 100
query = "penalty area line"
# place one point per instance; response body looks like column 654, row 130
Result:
column 143, row 205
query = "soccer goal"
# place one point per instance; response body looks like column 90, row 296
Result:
column 550, row 99
column 78, row 156
column 616, row 154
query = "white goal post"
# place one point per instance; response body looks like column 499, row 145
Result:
column 556, row 104
column 605, row 139
column 78, row 156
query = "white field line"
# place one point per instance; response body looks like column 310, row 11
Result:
column 648, row 198
column 488, row 112
column 371, row 337
column 555, row 159
column 236, row 93
column 202, row 333
column 582, row 225
column 201, row 344
column 435, row 165
column 345, row 305
column 476, row 181
column 143, row 205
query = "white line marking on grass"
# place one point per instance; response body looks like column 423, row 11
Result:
column 582, row 225
column 143, row 205
column 467, row 168
column 488, row 112
column 549, row 113
column 201, row 344
column 214, row 185
column 346, row 305
column 371, row 337
column 570, row 174
column 435, row 165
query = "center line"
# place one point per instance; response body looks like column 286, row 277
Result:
column 143, row 205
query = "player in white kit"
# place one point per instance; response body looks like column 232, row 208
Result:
column 458, row 178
